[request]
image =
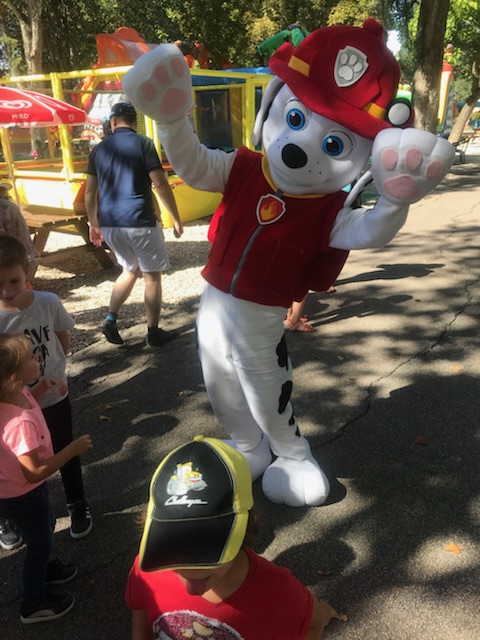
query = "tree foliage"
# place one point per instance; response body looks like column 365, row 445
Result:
column 310, row 15
column 220, row 26
column 74, row 25
column 355, row 13
column 230, row 31
column 22, row 22
column 71, row 28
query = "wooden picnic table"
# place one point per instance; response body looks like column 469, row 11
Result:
column 461, row 147
column 42, row 220
column 474, row 134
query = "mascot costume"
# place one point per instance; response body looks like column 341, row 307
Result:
column 284, row 225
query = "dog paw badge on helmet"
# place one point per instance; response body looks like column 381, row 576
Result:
column 350, row 66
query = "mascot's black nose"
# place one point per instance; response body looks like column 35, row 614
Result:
column 293, row 156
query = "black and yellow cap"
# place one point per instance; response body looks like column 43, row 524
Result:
column 200, row 497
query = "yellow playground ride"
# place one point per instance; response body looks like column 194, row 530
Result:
column 47, row 165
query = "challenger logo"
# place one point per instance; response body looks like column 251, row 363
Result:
column 270, row 208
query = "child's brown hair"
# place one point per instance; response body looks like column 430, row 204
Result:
column 12, row 253
column 13, row 350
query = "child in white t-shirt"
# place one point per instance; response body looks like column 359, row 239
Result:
column 41, row 316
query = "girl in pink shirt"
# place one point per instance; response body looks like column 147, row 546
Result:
column 26, row 461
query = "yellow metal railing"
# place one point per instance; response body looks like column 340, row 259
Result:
column 241, row 87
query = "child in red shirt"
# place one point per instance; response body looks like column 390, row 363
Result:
column 195, row 575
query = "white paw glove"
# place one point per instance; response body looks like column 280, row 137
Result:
column 159, row 84
column 408, row 163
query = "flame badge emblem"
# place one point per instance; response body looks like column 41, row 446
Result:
column 270, row 208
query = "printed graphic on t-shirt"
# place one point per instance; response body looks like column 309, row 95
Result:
column 178, row 625
column 40, row 338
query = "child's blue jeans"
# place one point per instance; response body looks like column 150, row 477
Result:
column 33, row 515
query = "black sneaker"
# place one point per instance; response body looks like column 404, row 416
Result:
column 80, row 519
column 158, row 337
column 54, row 605
column 110, row 331
column 10, row 537
column 59, row 572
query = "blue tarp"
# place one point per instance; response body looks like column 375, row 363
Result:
column 202, row 81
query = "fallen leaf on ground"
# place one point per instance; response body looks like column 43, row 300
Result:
column 453, row 548
column 104, row 418
column 421, row 440
column 107, row 407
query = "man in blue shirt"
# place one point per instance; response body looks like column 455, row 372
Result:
column 122, row 212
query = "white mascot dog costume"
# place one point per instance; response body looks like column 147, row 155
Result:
column 284, row 225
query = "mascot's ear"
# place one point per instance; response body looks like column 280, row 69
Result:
column 272, row 88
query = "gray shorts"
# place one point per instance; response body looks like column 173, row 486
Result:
column 138, row 247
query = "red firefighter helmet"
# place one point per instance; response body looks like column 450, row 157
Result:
column 346, row 74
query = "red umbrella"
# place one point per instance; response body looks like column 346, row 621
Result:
column 22, row 108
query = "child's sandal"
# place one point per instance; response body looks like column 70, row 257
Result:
column 301, row 326
column 289, row 320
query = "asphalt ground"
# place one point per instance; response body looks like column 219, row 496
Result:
column 387, row 391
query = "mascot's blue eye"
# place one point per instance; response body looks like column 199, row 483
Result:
column 295, row 119
column 332, row 145
column 337, row 145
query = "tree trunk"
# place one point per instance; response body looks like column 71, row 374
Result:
column 29, row 16
column 467, row 109
column 32, row 38
column 429, row 47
